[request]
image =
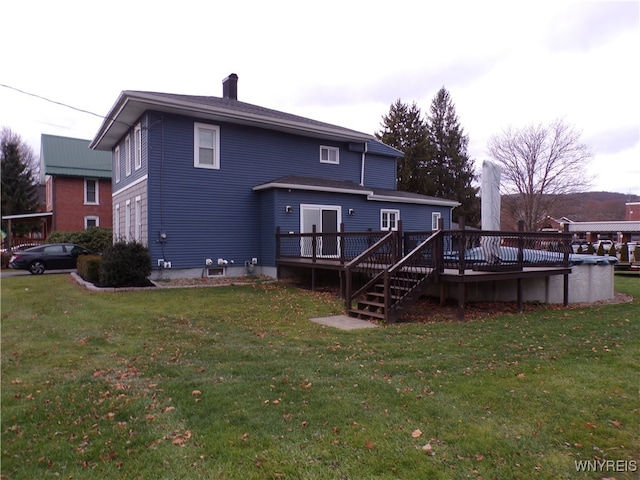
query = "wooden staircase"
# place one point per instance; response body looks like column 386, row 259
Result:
column 391, row 283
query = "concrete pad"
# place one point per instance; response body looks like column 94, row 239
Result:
column 344, row 323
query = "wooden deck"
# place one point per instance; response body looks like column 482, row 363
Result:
column 376, row 268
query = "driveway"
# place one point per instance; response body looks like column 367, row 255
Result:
column 9, row 272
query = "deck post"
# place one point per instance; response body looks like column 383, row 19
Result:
column 314, row 244
column 566, row 247
column 347, row 288
column 462, row 247
column 387, row 295
column 341, row 243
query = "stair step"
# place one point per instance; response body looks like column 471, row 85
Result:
column 354, row 312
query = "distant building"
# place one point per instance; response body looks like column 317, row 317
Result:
column 78, row 184
column 633, row 211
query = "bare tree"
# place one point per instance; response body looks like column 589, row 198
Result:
column 539, row 164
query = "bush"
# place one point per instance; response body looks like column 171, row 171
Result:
column 590, row 249
column 125, row 264
column 600, row 251
column 624, row 252
column 636, row 253
column 612, row 251
column 88, row 267
column 96, row 239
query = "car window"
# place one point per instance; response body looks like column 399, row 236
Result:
column 53, row 249
column 76, row 250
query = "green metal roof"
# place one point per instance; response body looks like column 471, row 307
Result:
column 72, row 157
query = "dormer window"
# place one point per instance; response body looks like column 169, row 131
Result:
column 329, row 155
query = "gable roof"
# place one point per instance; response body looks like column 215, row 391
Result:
column 131, row 104
column 72, row 157
column 346, row 186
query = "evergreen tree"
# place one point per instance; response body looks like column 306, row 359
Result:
column 449, row 171
column 404, row 129
column 19, row 191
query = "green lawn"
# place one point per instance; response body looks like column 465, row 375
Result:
column 237, row 383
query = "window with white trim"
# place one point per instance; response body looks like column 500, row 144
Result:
column 435, row 220
column 138, row 220
column 389, row 219
column 91, row 221
column 127, row 221
column 206, row 146
column 127, row 155
column 137, row 146
column 116, row 162
column 329, row 154
column 116, row 223
column 91, row 191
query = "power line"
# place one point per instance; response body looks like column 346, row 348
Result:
column 63, row 104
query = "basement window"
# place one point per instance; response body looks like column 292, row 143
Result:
column 215, row 272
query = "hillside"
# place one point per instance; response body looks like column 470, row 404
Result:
column 579, row 207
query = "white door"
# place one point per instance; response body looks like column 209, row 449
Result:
column 326, row 218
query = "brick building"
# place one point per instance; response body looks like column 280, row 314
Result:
column 78, row 184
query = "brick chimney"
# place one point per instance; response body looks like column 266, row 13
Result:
column 230, row 87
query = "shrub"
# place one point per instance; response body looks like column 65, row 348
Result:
column 125, row 264
column 600, row 251
column 636, row 253
column 612, row 251
column 590, row 249
column 96, row 239
column 88, row 267
column 624, row 252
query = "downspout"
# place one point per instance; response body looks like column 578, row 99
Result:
column 364, row 154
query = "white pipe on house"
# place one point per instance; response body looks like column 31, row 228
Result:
column 362, row 165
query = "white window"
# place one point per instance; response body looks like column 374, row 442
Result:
column 329, row 154
column 206, row 146
column 389, row 219
column 91, row 221
column 435, row 220
column 116, row 162
column 137, row 146
column 138, row 220
column 91, row 191
column 127, row 155
column 127, row 221
column 116, row 223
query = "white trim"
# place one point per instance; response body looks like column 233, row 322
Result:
column 329, row 149
column 91, row 217
column 319, row 247
column 131, row 185
column 370, row 195
column 387, row 212
column 197, row 127
column 434, row 201
column 137, row 146
column 127, row 155
column 137, row 228
column 435, row 220
column 127, row 220
column 116, row 222
column 97, row 190
column 117, row 166
column 312, row 188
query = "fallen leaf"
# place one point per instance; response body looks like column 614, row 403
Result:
column 428, row 449
column 416, row 433
column 369, row 445
column 196, row 393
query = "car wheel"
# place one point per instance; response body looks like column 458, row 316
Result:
column 36, row 268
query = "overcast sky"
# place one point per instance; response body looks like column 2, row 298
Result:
column 344, row 62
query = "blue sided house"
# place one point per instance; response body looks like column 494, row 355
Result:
column 206, row 182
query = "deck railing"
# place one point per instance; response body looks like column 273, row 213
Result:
column 486, row 250
column 460, row 249
column 341, row 246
